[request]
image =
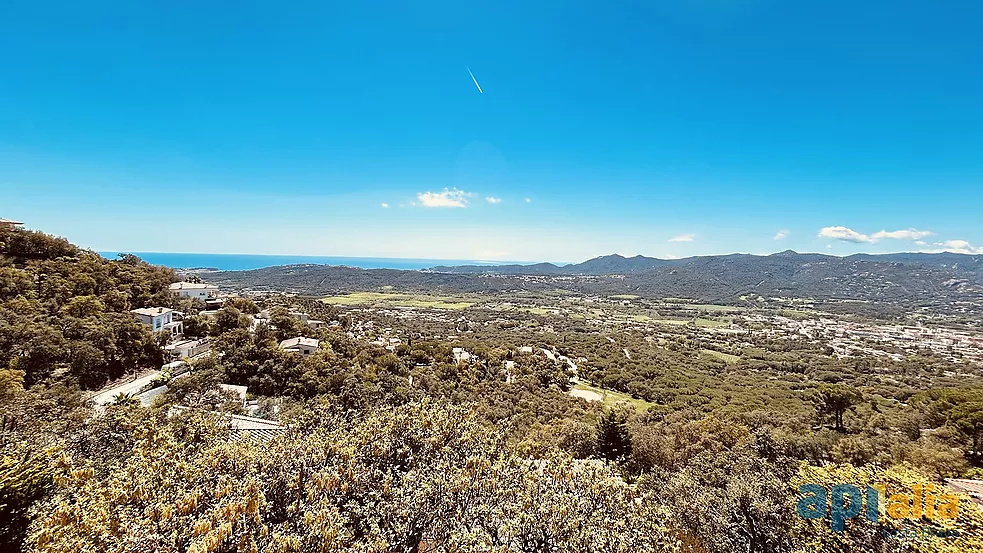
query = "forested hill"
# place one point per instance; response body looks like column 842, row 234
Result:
column 66, row 310
column 966, row 266
column 906, row 280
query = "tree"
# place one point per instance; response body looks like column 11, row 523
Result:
column 834, row 400
column 244, row 305
column 125, row 399
column 11, row 384
column 613, row 437
column 285, row 325
column 967, row 418
column 935, row 459
column 23, row 481
column 230, row 318
column 730, row 501
column 198, row 327
column 958, row 408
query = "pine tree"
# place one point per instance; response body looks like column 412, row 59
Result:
column 613, row 438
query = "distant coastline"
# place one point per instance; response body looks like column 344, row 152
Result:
column 245, row 262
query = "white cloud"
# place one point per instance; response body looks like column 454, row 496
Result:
column 683, row 238
column 843, row 233
column 384, row 205
column 493, row 200
column 780, row 235
column 958, row 246
column 906, row 234
column 847, row 234
column 920, row 243
column 528, row 200
column 448, row 198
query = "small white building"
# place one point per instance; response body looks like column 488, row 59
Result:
column 194, row 290
column 461, row 355
column 188, row 348
column 159, row 319
column 263, row 317
column 303, row 346
column 300, row 316
column 525, row 349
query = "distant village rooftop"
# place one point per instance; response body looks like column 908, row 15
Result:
column 7, row 223
column 297, row 342
column 151, row 311
column 193, row 286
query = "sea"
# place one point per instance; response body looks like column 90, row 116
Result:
column 245, row 262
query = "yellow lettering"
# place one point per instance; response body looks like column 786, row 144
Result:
column 899, row 506
column 948, row 506
column 930, row 505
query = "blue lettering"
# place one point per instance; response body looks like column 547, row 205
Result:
column 841, row 510
column 812, row 504
column 873, row 497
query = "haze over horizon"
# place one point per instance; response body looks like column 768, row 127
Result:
column 667, row 130
column 200, row 259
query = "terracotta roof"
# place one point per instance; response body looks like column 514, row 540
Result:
column 972, row 488
column 241, row 426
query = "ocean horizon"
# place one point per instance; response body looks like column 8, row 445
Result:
column 245, row 262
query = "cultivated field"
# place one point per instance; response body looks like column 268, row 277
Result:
column 385, row 299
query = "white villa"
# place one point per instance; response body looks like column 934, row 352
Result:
column 159, row 318
column 194, row 290
column 303, row 346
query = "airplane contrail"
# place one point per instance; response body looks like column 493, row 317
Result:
column 473, row 79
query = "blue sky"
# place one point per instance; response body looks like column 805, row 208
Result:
column 662, row 128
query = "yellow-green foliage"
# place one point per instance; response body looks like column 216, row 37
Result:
column 399, row 477
column 23, row 480
column 725, row 357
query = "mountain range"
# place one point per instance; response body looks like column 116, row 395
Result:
column 967, row 265
column 903, row 282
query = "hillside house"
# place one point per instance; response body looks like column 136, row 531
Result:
column 159, row 319
column 194, row 290
column 240, row 426
column 188, row 348
column 8, row 224
column 300, row 316
column 303, row 346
